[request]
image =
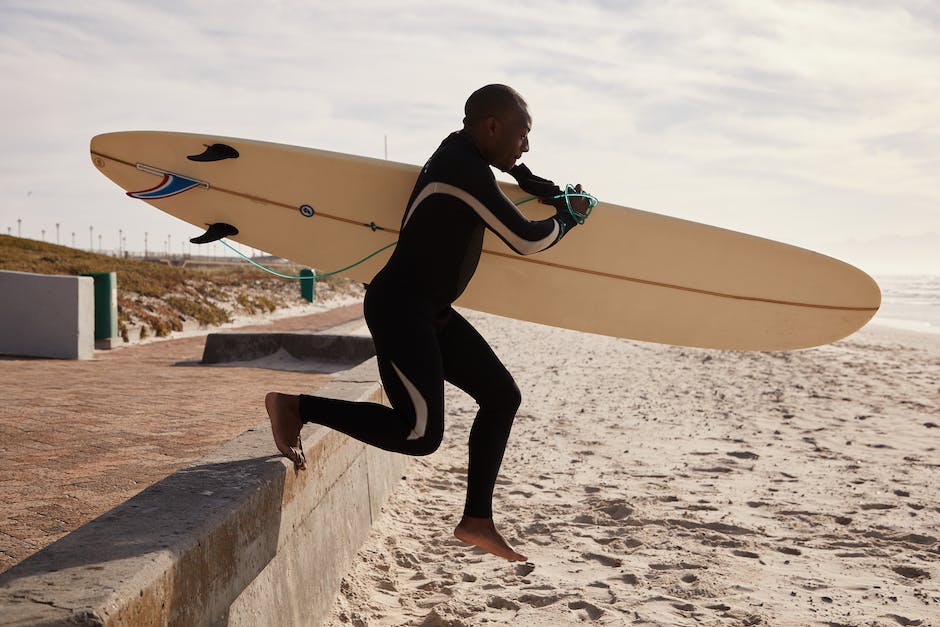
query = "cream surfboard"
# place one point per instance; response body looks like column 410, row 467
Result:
column 625, row 273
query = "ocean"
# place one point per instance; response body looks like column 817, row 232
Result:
column 910, row 302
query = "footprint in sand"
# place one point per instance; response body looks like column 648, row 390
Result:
column 617, row 511
column 606, row 560
column 583, row 607
column 500, row 603
column 747, row 554
column 524, row 569
column 536, row 600
column 911, row 572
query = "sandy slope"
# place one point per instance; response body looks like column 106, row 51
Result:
column 659, row 485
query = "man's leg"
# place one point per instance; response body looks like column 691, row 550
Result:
column 471, row 365
column 412, row 375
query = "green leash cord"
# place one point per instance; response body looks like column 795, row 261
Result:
column 312, row 276
column 568, row 194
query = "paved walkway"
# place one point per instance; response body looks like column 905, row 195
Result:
column 79, row 437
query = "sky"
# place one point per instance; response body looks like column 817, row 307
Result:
column 813, row 122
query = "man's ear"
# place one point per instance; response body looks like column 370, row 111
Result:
column 492, row 126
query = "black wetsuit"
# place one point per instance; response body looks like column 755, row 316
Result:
column 420, row 340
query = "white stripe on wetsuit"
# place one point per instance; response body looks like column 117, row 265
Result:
column 419, row 404
column 524, row 246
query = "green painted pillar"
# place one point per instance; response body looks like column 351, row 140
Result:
column 308, row 285
column 106, row 314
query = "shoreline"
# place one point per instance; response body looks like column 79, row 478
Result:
column 913, row 326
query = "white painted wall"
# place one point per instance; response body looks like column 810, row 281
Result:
column 45, row 315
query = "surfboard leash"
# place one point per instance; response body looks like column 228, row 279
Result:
column 312, row 276
column 568, row 194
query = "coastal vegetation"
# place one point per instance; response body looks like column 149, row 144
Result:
column 157, row 295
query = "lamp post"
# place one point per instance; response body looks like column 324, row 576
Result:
column 91, row 238
column 57, row 233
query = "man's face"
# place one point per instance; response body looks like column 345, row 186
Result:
column 509, row 138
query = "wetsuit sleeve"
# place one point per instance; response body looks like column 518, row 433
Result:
column 456, row 169
column 532, row 184
column 503, row 217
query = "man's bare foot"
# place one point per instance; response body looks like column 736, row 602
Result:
column 481, row 532
column 284, row 414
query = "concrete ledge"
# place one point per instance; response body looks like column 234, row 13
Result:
column 237, row 538
column 332, row 352
column 46, row 315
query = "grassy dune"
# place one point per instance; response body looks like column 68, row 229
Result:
column 159, row 297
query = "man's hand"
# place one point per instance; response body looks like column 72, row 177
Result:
column 579, row 204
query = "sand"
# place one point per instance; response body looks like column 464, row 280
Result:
column 657, row 485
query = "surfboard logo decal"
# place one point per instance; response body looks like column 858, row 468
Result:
column 171, row 184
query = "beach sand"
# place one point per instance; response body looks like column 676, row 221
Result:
column 658, row 485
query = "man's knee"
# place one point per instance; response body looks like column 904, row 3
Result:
column 426, row 444
column 513, row 398
column 505, row 399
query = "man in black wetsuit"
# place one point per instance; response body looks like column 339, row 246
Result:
column 420, row 340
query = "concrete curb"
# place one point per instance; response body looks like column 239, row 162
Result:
column 343, row 351
column 237, row 538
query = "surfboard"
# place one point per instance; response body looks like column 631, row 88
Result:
column 625, row 273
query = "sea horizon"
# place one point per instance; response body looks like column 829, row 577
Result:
column 910, row 302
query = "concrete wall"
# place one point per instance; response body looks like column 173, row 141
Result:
column 238, row 538
column 44, row 315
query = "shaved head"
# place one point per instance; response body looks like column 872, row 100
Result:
column 492, row 101
column 497, row 121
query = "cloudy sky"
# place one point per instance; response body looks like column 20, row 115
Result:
column 809, row 121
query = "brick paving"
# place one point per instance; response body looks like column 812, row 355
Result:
column 78, row 438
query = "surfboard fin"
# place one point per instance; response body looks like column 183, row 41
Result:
column 215, row 232
column 215, row 152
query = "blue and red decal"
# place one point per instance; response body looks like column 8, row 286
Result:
column 171, row 185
